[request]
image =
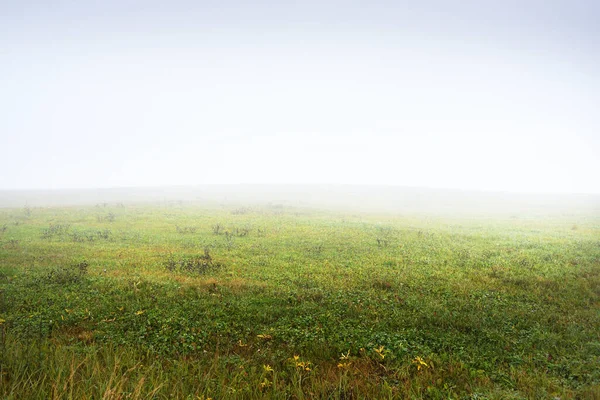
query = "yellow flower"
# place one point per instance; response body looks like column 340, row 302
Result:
column 140, row 312
column 2, row 321
column 345, row 356
column 264, row 336
column 268, row 368
column 380, row 352
column 420, row 363
column 345, row 365
column 304, row 365
column 265, row 383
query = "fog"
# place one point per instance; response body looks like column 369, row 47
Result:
column 337, row 198
column 467, row 96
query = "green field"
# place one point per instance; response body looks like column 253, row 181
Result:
column 191, row 300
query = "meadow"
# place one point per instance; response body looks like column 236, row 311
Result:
column 197, row 301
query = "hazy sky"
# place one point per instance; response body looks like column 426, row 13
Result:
column 493, row 95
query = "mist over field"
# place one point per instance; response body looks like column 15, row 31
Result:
column 378, row 199
column 300, row 200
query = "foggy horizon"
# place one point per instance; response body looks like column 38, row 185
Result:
column 284, row 185
column 475, row 96
column 338, row 198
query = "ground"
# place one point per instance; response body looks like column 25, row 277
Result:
column 204, row 301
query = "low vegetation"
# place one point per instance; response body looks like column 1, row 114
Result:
column 276, row 302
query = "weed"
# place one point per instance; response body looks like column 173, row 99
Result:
column 241, row 211
column 91, row 235
column 198, row 264
column 315, row 249
column 229, row 242
column 382, row 284
column 110, row 217
column 55, row 230
column 13, row 243
column 241, row 232
column 74, row 273
column 382, row 242
column 186, row 229
column 217, row 229
column 171, row 263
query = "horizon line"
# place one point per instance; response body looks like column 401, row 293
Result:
column 373, row 185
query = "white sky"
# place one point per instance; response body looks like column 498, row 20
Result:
column 472, row 95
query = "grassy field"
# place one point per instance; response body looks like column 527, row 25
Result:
column 195, row 301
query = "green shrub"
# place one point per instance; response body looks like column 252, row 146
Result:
column 74, row 273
